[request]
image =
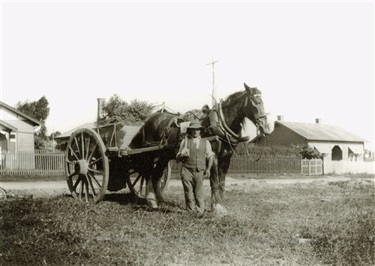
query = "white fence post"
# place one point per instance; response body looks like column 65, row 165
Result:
column 312, row 167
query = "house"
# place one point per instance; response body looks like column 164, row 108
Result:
column 16, row 130
column 334, row 143
column 131, row 131
column 342, row 151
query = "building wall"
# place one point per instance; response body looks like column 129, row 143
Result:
column 20, row 140
column 353, row 152
column 25, row 141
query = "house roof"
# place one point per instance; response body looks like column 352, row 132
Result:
column 19, row 114
column 68, row 133
column 162, row 108
column 16, row 125
column 321, row 132
column 131, row 131
column 7, row 125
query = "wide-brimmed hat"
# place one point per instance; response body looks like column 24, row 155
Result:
column 195, row 125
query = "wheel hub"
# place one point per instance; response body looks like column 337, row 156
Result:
column 81, row 167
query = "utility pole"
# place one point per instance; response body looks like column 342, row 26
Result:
column 212, row 63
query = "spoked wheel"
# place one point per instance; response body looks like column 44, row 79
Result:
column 86, row 166
column 137, row 182
column 3, row 194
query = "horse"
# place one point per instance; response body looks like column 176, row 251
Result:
column 223, row 126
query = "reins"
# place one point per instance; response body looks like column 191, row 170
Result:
column 223, row 131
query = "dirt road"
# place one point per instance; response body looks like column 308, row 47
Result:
column 53, row 188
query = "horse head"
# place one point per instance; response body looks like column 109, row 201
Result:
column 255, row 111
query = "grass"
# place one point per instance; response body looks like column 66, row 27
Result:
column 32, row 178
column 301, row 224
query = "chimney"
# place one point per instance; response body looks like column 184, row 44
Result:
column 101, row 102
column 280, row 118
column 318, row 120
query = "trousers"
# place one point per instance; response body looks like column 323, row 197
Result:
column 192, row 182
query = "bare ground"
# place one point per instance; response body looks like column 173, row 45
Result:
column 41, row 189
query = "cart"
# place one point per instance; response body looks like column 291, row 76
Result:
column 97, row 162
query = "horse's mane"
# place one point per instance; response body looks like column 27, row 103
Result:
column 233, row 98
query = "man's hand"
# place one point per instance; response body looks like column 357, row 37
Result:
column 185, row 152
column 207, row 173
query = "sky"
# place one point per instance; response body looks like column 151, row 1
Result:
column 310, row 59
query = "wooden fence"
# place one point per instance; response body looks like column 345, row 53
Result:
column 242, row 165
column 349, row 167
column 32, row 163
column 48, row 163
column 312, row 167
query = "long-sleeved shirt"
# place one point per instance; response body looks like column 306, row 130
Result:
column 209, row 151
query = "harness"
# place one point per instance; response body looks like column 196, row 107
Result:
column 219, row 127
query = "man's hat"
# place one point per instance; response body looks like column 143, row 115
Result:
column 195, row 125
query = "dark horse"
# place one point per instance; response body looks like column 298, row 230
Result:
column 222, row 128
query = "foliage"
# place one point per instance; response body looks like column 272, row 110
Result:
column 118, row 110
column 38, row 110
column 54, row 135
column 309, row 153
column 268, row 152
column 300, row 224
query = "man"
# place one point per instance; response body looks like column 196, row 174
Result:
column 194, row 153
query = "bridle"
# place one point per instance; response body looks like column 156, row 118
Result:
column 220, row 127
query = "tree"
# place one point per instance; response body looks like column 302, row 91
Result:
column 54, row 135
column 117, row 110
column 140, row 110
column 309, row 153
column 38, row 110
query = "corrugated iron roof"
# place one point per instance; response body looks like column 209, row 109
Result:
column 131, row 131
column 7, row 125
column 321, row 132
column 19, row 126
column 26, row 118
column 68, row 133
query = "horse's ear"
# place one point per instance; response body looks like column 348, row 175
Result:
column 247, row 88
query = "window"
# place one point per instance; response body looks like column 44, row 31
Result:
column 12, row 137
column 336, row 153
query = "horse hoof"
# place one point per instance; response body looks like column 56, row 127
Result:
column 219, row 211
column 152, row 204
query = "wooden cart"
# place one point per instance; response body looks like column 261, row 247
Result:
column 96, row 162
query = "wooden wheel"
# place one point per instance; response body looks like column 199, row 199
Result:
column 3, row 194
column 86, row 166
column 137, row 182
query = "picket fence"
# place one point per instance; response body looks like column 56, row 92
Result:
column 32, row 163
column 52, row 163
column 47, row 163
column 243, row 165
column 312, row 167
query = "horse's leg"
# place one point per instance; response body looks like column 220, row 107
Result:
column 150, row 192
column 156, row 178
column 223, row 169
column 217, row 207
column 214, row 183
column 156, row 175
